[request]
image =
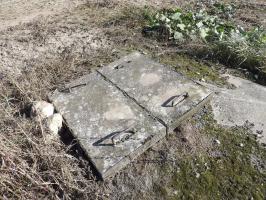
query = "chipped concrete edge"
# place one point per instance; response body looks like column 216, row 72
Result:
column 129, row 57
column 191, row 112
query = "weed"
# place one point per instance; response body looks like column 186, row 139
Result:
column 223, row 40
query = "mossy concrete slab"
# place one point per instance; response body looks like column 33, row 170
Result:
column 125, row 108
column 166, row 94
column 243, row 105
column 111, row 128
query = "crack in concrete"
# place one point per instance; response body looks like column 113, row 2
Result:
column 136, row 102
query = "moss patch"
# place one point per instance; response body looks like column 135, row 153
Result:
column 224, row 172
column 192, row 68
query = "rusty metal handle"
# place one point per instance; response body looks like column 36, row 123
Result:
column 122, row 136
column 178, row 99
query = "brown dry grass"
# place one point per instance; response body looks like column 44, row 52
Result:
column 30, row 167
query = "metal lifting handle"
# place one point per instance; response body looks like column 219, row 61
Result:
column 178, row 99
column 122, row 136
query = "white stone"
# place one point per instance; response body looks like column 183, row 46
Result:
column 217, row 142
column 197, row 175
column 42, row 109
column 54, row 123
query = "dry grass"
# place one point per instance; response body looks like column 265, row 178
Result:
column 30, row 167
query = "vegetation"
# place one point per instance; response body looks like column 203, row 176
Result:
column 219, row 37
column 234, row 168
column 30, row 168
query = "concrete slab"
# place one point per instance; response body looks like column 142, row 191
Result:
column 168, row 95
column 245, row 103
column 111, row 128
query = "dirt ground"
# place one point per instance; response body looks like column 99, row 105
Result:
column 46, row 43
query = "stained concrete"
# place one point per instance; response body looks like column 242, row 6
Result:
column 125, row 108
column 111, row 128
column 244, row 105
column 168, row 95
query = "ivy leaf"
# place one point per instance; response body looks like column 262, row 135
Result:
column 199, row 24
column 263, row 39
column 204, row 32
column 163, row 18
column 178, row 36
column 181, row 26
column 176, row 16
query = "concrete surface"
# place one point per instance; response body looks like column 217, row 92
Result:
column 111, row 128
column 168, row 95
column 125, row 108
column 244, row 105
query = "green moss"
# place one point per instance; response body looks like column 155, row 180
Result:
column 226, row 171
column 161, row 190
column 192, row 68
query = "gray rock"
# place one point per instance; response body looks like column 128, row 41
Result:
column 54, row 123
column 42, row 109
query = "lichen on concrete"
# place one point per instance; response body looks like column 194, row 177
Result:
column 155, row 86
column 97, row 111
column 126, row 107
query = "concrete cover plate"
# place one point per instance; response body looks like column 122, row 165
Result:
column 111, row 128
column 168, row 95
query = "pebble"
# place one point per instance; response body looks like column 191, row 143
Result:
column 42, row 109
column 54, row 123
column 217, row 142
column 197, row 175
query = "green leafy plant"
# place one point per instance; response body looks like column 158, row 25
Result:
column 224, row 10
column 227, row 41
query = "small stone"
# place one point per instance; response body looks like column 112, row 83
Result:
column 259, row 136
column 217, row 142
column 197, row 175
column 42, row 109
column 206, row 165
column 241, row 144
column 54, row 123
